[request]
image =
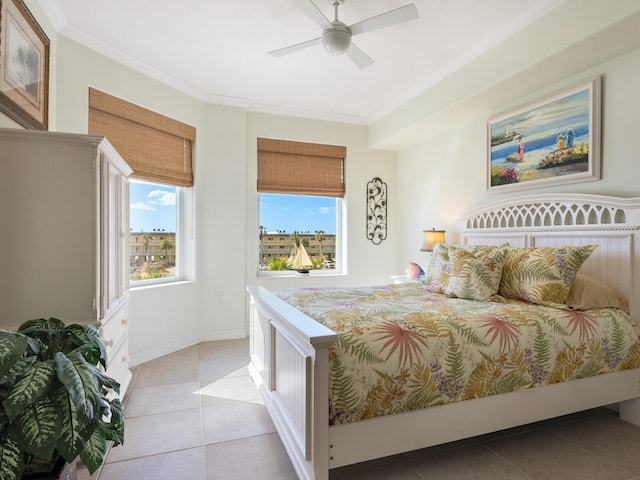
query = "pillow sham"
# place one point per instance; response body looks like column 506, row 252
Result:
column 589, row 292
column 474, row 276
column 437, row 275
column 542, row 275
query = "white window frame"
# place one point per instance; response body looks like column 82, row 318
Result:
column 185, row 241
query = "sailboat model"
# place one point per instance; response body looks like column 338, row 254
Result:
column 301, row 261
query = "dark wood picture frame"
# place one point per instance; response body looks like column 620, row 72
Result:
column 24, row 66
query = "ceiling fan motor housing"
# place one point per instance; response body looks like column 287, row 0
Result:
column 336, row 40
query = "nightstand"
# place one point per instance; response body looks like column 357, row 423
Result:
column 397, row 279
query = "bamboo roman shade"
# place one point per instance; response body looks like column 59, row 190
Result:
column 300, row 168
column 157, row 148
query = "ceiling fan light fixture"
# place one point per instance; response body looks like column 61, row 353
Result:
column 336, row 35
column 336, row 40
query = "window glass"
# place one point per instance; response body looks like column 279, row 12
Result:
column 153, row 236
column 298, row 232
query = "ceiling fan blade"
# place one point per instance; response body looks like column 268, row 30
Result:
column 313, row 12
column 357, row 56
column 399, row 15
column 281, row 52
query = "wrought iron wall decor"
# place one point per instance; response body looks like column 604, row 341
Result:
column 376, row 211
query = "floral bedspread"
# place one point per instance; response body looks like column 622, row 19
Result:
column 403, row 348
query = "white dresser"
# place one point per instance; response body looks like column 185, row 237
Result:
column 64, row 235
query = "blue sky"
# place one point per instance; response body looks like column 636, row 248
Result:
column 297, row 212
column 152, row 206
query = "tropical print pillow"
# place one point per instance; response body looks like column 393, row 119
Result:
column 474, row 277
column 438, row 271
column 431, row 266
column 542, row 275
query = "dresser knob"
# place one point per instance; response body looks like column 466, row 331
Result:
column 108, row 343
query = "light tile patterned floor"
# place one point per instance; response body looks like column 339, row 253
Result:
column 196, row 415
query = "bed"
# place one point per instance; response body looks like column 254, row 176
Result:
column 292, row 354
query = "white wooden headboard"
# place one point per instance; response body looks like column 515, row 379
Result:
column 553, row 220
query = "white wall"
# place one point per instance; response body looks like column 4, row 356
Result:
column 449, row 170
column 6, row 122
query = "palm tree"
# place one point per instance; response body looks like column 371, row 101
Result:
column 146, row 239
column 166, row 245
column 295, row 239
column 320, row 239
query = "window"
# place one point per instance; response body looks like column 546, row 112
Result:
column 159, row 150
column 310, row 224
column 154, row 238
column 300, row 189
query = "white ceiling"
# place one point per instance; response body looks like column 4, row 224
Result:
column 217, row 50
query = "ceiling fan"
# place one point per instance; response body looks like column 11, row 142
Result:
column 336, row 36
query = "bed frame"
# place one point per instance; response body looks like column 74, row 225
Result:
column 289, row 350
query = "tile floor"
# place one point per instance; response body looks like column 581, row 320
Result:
column 196, row 415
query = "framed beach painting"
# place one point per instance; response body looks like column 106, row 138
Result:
column 24, row 66
column 553, row 141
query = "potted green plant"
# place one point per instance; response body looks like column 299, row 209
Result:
column 54, row 399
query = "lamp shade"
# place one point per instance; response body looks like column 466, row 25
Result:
column 430, row 238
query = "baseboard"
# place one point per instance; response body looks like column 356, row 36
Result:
column 214, row 335
column 184, row 342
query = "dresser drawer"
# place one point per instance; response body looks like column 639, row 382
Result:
column 118, row 366
column 114, row 330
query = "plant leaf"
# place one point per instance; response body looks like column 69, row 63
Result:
column 38, row 326
column 92, row 333
column 11, row 457
column 8, row 380
column 48, row 331
column 81, row 380
column 71, row 440
column 37, row 428
column 30, row 388
column 86, row 339
column 109, row 383
column 94, row 451
column 12, row 346
column 35, row 345
column 114, row 429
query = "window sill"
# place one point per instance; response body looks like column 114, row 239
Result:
column 160, row 285
column 294, row 274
